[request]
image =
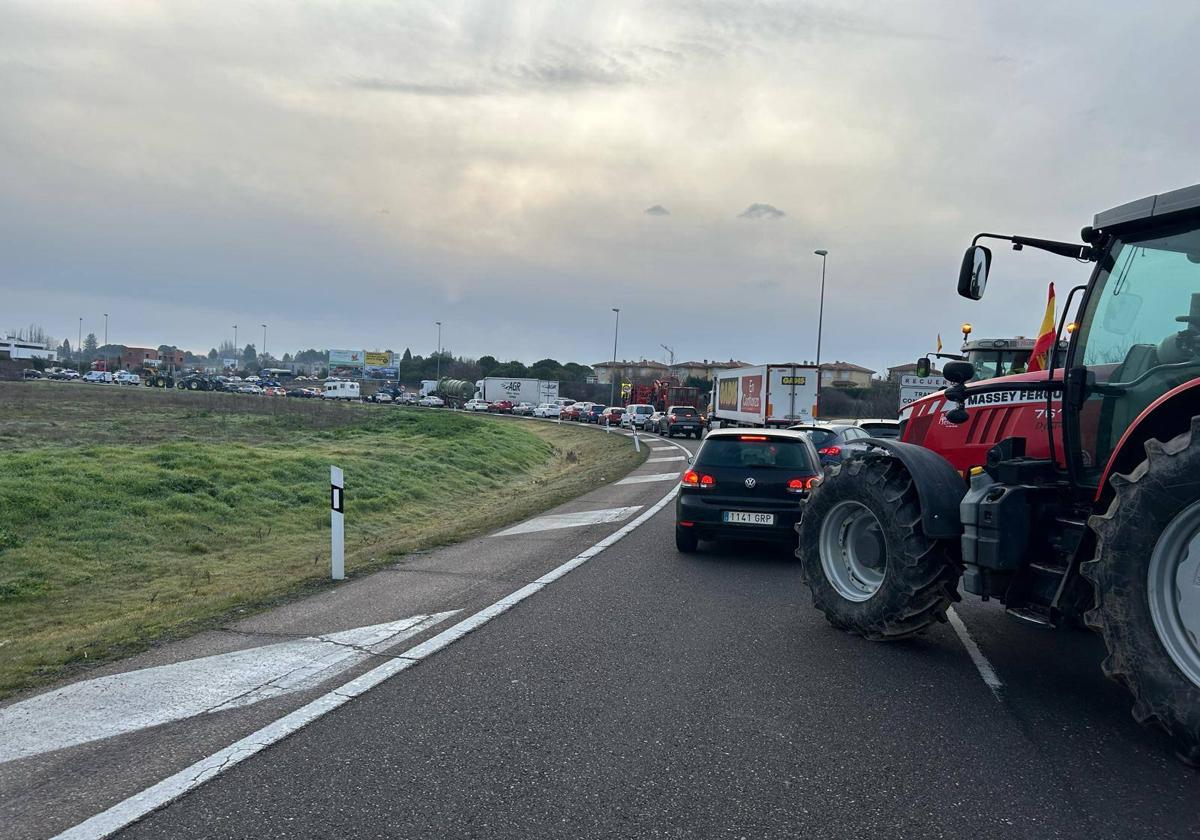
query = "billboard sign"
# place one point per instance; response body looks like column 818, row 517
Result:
column 377, row 359
column 345, row 358
column 381, row 372
column 229, row 364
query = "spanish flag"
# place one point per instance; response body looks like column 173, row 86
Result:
column 1045, row 340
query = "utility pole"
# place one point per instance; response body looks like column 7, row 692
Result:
column 822, row 253
column 612, row 374
column 106, row 341
column 79, row 341
column 264, row 350
column 439, row 355
column 237, row 352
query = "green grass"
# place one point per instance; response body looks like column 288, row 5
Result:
column 129, row 516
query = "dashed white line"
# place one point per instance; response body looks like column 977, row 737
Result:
column 666, row 458
column 986, row 671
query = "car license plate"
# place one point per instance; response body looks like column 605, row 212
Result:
column 741, row 517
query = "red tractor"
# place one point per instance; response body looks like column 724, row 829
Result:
column 1070, row 495
column 664, row 393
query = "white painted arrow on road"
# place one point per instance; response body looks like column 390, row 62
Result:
column 106, row 706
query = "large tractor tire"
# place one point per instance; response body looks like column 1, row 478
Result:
column 195, row 384
column 865, row 556
column 1146, row 577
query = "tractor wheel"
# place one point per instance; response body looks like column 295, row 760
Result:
column 1146, row 577
column 193, row 385
column 865, row 556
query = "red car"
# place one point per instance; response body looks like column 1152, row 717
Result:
column 502, row 407
column 610, row 416
column 571, row 412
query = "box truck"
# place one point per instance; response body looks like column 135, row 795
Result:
column 764, row 395
column 515, row 390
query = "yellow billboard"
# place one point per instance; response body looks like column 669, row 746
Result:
column 377, row 359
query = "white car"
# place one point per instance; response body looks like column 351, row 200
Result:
column 524, row 409
column 547, row 410
column 477, row 405
column 635, row 416
column 98, row 376
column 125, row 377
column 432, row 401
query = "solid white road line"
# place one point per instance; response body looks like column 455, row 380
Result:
column 139, row 805
column 646, row 479
column 570, row 520
column 666, row 458
column 986, row 671
column 90, row 710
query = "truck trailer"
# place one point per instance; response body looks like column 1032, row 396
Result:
column 764, row 395
column 515, row 390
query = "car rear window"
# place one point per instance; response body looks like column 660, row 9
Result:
column 881, row 430
column 819, row 437
column 684, row 412
column 643, row 409
column 783, row 453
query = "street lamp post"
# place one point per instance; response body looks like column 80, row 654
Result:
column 264, row 350
column 235, row 347
column 439, row 353
column 822, row 253
column 79, row 341
column 612, row 374
column 106, row 341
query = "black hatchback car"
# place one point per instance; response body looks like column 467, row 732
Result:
column 745, row 484
column 681, row 420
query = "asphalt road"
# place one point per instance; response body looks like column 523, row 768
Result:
column 651, row 694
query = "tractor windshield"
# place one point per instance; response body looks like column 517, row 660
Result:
column 1140, row 336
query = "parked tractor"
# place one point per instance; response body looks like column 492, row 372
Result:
column 1070, row 495
column 154, row 375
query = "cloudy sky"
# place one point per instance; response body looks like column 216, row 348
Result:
column 351, row 172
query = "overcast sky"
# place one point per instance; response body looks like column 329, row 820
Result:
column 351, row 172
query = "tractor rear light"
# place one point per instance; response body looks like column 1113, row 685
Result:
column 831, row 451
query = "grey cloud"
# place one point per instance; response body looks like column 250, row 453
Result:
column 657, row 210
column 761, row 211
column 419, row 89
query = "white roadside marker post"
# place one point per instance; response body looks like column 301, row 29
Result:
column 637, row 444
column 337, row 524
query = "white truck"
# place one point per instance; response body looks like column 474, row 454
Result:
column 515, row 390
column 763, row 395
column 341, row 389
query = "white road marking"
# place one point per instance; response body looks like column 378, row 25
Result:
column 666, row 458
column 90, row 710
column 570, row 520
column 990, row 678
column 662, row 448
column 171, row 788
column 646, row 479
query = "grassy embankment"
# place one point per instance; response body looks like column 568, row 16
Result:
column 129, row 515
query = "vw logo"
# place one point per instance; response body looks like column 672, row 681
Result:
column 750, row 482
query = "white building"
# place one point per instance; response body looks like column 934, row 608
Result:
column 19, row 349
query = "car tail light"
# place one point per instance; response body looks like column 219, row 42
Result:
column 672, row 418
column 831, row 451
column 691, row 478
column 802, row 485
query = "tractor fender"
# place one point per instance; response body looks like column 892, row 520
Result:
column 940, row 488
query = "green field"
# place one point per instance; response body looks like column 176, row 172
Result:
column 129, row 515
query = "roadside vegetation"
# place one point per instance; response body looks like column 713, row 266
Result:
column 130, row 515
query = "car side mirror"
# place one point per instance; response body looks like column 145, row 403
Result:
column 958, row 372
column 923, row 367
column 973, row 274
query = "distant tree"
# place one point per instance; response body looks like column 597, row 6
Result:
column 213, row 355
column 513, row 368
column 90, row 345
column 546, row 369
column 407, row 357
column 249, row 354
column 64, row 350
column 227, row 350
column 287, row 358
column 488, row 366
column 574, row 372
column 699, row 382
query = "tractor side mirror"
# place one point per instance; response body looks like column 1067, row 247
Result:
column 923, row 367
column 958, row 372
column 972, row 276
